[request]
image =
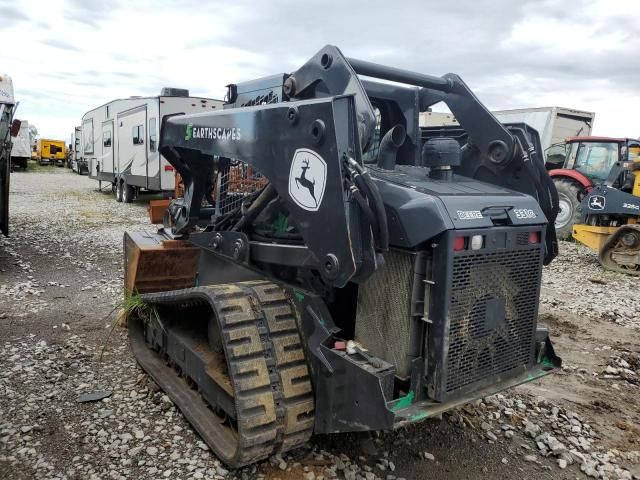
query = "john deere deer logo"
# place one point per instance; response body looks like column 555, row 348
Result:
column 302, row 180
column 597, row 202
column 307, row 179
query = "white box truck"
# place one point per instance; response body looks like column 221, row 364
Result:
column 554, row 124
column 21, row 149
column 119, row 141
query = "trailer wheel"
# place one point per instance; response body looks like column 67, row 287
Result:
column 569, row 197
column 119, row 190
column 128, row 192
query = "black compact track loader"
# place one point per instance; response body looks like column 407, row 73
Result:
column 333, row 267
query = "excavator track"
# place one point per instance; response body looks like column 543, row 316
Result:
column 244, row 387
column 621, row 252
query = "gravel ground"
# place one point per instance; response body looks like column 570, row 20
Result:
column 61, row 275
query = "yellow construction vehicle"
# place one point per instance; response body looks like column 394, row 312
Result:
column 610, row 215
column 51, row 152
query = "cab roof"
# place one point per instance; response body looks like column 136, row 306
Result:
column 598, row 139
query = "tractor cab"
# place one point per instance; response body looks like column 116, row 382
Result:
column 594, row 157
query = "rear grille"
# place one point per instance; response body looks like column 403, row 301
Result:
column 492, row 315
column 523, row 238
column 383, row 321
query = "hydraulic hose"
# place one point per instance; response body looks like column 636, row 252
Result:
column 364, row 205
column 267, row 194
column 368, row 188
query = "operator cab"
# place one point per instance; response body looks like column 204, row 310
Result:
column 594, row 157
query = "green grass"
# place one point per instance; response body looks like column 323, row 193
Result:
column 134, row 304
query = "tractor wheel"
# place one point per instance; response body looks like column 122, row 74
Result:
column 128, row 192
column 569, row 197
column 119, row 184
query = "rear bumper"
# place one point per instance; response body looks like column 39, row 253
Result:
column 407, row 412
column 355, row 393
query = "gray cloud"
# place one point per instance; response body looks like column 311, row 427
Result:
column 61, row 44
column 245, row 39
column 465, row 37
column 10, row 15
column 91, row 13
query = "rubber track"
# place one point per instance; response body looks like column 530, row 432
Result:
column 610, row 247
column 266, row 363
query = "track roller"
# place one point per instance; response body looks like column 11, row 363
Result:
column 230, row 357
column 621, row 252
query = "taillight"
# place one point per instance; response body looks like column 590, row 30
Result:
column 534, row 237
column 168, row 168
column 458, row 244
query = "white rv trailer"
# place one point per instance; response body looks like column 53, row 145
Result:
column 120, row 141
column 21, row 149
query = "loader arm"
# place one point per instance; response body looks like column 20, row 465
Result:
column 301, row 148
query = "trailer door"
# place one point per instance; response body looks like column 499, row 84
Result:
column 132, row 149
column 106, row 160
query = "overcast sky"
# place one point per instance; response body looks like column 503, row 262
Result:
column 68, row 56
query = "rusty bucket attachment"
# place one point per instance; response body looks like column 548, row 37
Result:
column 153, row 263
column 156, row 210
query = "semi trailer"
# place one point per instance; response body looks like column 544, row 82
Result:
column 334, row 267
column 120, row 141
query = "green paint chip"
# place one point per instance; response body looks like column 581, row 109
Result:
column 404, row 402
column 547, row 363
column 299, row 295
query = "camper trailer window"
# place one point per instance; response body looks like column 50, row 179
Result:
column 106, row 139
column 137, row 133
column 152, row 134
column 87, row 135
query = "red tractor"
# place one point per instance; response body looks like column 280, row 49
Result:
column 584, row 162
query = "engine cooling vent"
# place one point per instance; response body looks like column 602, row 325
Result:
column 383, row 321
column 492, row 315
column 523, row 238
